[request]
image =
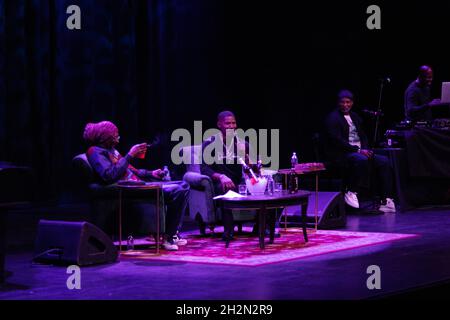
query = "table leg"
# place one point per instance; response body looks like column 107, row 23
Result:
column 120, row 221
column 157, row 220
column 272, row 222
column 304, row 206
column 316, row 204
column 285, row 219
column 262, row 226
column 2, row 245
column 227, row 219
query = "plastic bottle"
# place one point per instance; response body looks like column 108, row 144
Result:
column 166, row 174
column 130, row 242
column 294, row 160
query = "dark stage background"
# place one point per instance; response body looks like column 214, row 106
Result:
column 153, row 66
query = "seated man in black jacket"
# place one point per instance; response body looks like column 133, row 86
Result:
column 348, row 146
column 226, row 171
column 226, row 175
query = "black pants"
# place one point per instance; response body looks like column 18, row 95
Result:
column 227, row 215
column 142, row 220
column 359, row 168
column 176, row 200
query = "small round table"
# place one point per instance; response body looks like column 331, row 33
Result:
column 262, row 203
column 133, row 188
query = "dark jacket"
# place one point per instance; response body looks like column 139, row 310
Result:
column 337, row 135
column 109, row 166
column 232, row 171
column 417, row 99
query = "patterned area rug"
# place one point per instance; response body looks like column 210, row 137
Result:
column 245, row 251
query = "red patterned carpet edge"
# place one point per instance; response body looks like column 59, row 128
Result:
column 245, row 251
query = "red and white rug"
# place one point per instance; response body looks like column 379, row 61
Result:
column 245, row 251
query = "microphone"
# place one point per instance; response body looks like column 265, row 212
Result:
column 373, row 113
column 386, row 80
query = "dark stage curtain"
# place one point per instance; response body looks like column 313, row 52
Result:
column 126, row 64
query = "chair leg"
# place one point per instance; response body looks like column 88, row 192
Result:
column 202, row 228
column 240, row 228
column 201, row 225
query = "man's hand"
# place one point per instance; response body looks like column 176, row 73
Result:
column 367, row 153
column 138, row 150
column 227, row 183
column 158, row 174
column 434, row 102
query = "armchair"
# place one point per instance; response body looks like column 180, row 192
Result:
column 202, row 207
column 104, row 200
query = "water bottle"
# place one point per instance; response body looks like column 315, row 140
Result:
column 294, row 160
column 270, row 185
column 130, row 242
column 166, row 174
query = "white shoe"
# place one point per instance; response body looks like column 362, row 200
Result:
column 351, row 198
column 170, row 246
column 389, row 207
column 179, row 241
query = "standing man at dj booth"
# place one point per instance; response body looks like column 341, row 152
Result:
column 348, row 147
column 418, row 102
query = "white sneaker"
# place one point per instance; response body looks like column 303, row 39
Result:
column 170, row 245
column 389, row 207
column 179, row 241
column 351, row 198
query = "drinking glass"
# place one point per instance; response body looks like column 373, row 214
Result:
column 243, row 189
column 278, row 187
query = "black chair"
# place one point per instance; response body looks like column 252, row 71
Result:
column 333, row 179
column 104, row 201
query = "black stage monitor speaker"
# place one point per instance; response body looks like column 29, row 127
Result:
column 78, row 243
column 331, row 211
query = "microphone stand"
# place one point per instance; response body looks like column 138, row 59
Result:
column 379, row 112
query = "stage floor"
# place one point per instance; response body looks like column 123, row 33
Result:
column 404, row 265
